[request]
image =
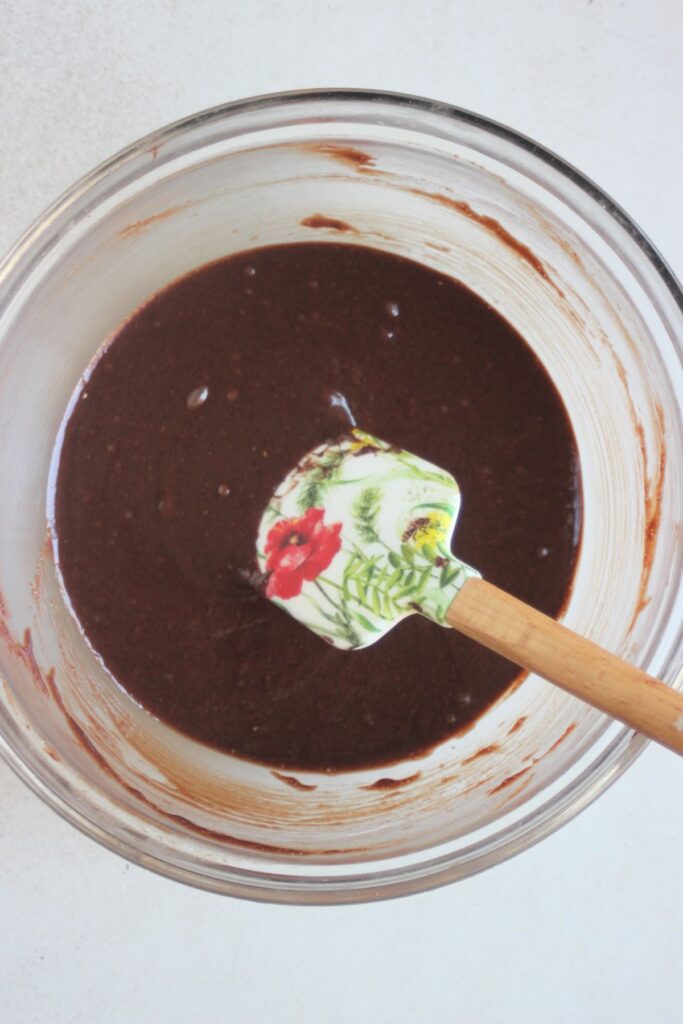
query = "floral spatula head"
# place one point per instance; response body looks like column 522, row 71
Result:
column 358, row 536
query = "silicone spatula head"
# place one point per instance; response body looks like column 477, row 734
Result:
column 357, row 537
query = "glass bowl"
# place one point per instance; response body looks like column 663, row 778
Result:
column 539, row 242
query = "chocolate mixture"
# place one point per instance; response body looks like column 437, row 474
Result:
column 199, row 407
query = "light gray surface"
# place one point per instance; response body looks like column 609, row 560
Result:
column 585, row 926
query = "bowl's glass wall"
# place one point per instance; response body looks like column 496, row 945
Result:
column 561, row 267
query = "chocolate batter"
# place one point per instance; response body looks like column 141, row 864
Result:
column 197, row 409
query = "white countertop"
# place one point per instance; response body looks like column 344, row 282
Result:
column 584, row 927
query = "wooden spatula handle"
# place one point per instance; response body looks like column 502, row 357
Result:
column 538, row 643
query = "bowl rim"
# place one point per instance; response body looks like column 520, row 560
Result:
column 432, row 871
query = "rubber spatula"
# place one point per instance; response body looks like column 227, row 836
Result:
column 358, row 537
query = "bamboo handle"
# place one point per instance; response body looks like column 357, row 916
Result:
column 538, row 643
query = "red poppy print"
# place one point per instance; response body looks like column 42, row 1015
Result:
column 297, row 550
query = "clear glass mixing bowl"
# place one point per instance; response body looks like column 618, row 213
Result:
column 544, row 246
